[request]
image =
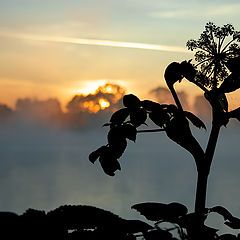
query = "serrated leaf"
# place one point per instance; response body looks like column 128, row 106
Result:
column 131, row 101
column 119, row 116
column 138, row 117
column 194, row 119
column 93, row 157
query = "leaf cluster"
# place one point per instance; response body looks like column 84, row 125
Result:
column 124, row 123
column 187, row 223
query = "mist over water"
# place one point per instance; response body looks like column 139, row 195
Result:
column 43, row 167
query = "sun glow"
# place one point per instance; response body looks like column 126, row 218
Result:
column 103, row 103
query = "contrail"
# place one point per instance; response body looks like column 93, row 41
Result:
column 96, row 42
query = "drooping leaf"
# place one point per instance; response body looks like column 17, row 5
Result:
column 231, row 83
column 138, row 117
column 129, row 131
column 119, row 116
column 131, row 101
column 195, row 120
column 115, row 134
column 93, row 157
column 108, row 162
column 157, row 234
column 173, row 73
column 118, row 147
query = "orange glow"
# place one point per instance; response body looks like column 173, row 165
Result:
column 103, row 103
column 94, row 107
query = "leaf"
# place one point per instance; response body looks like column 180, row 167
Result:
column 233, row 223
column 115, row 134
column 118, row 147
column 235, row 114
column 177, row 209
column 157, row 234
column 227, row 237
column 138, row 117
column 108, row 162
column 188, row 70
column 233, row 64
column 119, row 116
column 222, row 211
column 159, row 117
column 173, row 73
column 106, row 124
column 136, row 226
column 150, row 105
column 151, row 210
column 129, row 131
column 231, row 83
column 160, row 211
column 93, row 157
column 195, row 120
column 131, row 101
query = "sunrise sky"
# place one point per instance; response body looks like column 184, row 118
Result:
column 57, row 48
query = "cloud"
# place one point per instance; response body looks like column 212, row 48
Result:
column 197, row 11
column 164, row 96
column 95, row 42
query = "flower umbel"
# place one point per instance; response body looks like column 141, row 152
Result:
column 214, row 49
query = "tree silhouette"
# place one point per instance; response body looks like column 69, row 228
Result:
column 216, row 71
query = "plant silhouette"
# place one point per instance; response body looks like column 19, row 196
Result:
column 216, row 71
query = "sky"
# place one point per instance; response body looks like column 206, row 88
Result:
column 31, row 65
column 52, row 50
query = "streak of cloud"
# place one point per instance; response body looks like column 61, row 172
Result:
column 95, row 42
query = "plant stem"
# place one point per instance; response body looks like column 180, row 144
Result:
column 201, row 193
column 203, row 172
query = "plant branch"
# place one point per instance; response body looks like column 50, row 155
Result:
column 151, row 130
